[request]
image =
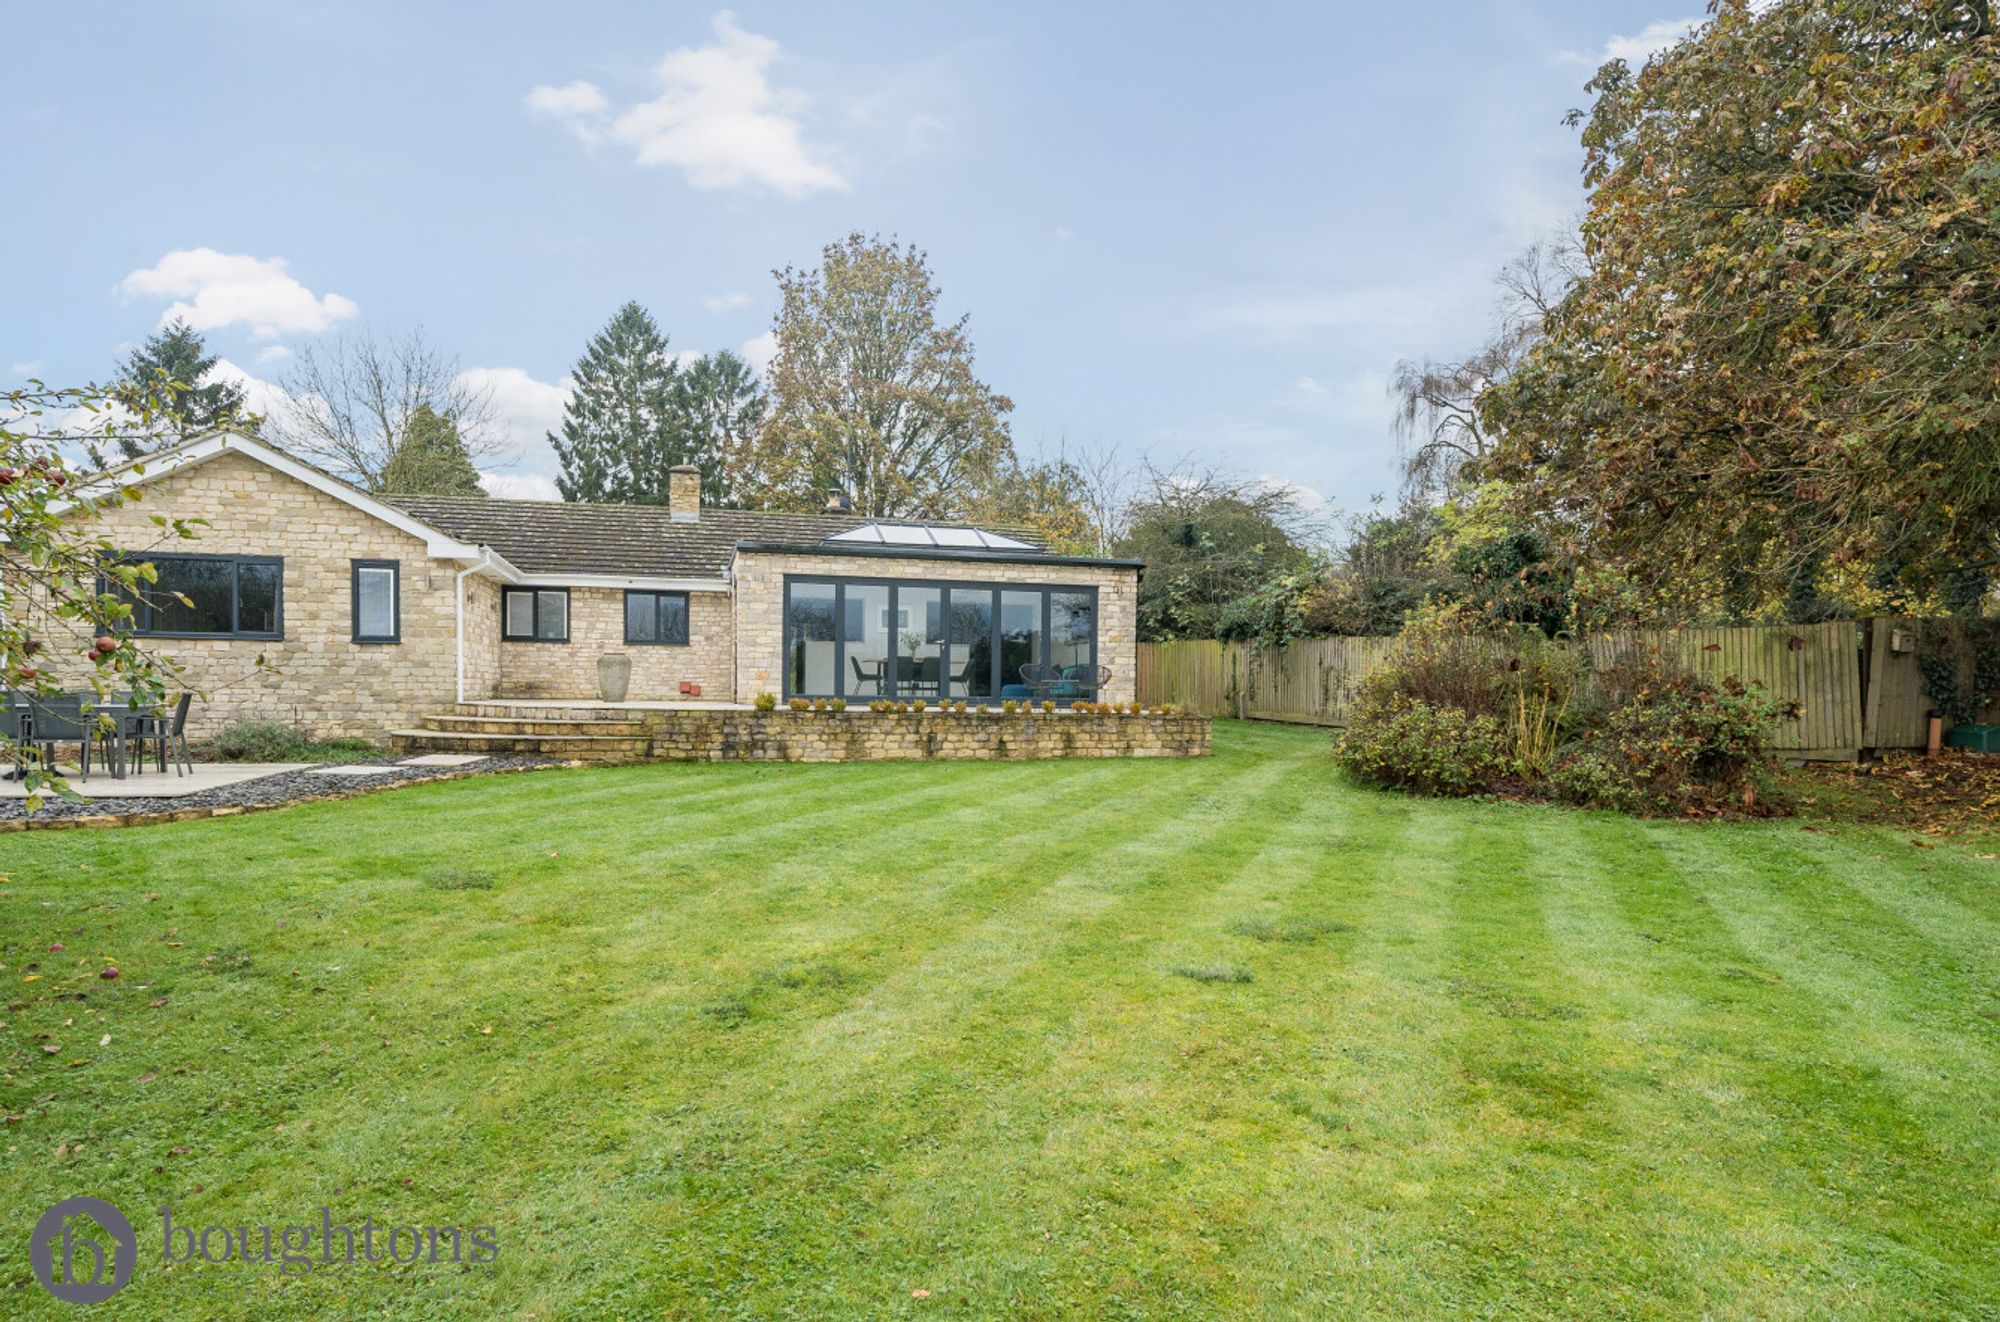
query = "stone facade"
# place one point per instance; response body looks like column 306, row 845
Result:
column 760, row 606
column 597, row 626
column 314, row 676
column 865, row 736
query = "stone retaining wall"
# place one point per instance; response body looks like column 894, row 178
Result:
column 865, row 736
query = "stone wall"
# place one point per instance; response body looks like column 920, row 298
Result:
column 865, row 736
column 597, row 626
column 314, row 676
column 760, row 607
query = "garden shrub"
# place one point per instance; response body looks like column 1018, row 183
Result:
column 766, row 702
column 1663, row 741
column 260, row 741
column 1424, row 748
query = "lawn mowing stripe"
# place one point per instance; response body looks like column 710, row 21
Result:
column 1949, row 930
column 1546, row 1097
column 1863, row 954
column 1162, row 789
column 1692, row 1219
column 1384, row 1063
column 1829, row 1140
column 847, row 1074
column 1058, row 1109
column 428, row 1027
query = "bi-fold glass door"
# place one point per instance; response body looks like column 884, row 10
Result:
column 892, row 638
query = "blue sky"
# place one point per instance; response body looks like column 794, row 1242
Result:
column 1191, row 231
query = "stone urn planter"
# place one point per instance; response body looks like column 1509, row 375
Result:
column 614, row 676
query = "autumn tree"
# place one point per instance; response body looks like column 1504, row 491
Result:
column 1782, row 365
column 1051, row 497
column 1210, row 541
column 353, row 400
column 872, row 393
column 431, row 459
column 170, row 381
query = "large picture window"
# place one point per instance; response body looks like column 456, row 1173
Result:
column 211, row 596
column 534, row 615
column 893, row 638
column 656, row 618
column 378, row 601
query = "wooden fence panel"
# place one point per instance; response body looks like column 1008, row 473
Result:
column 1817, row 667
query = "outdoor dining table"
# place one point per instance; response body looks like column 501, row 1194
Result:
column 119, row 713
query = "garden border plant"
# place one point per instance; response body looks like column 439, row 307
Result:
column 1464, row 707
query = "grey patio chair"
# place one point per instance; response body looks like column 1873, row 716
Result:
column 867, row 672
column 52, row 721
column 11, row 707
column 168, row 734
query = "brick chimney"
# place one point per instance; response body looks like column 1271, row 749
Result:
column 684, row 493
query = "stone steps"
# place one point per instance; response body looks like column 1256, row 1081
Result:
column 534, row 725
column 492, row 743
column 528, row 710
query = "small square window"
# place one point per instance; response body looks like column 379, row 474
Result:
column 534, row 615
column 656, row 618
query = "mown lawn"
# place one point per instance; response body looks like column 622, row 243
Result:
column 804, row 1041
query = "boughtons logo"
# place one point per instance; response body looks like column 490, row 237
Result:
column 83, row 1250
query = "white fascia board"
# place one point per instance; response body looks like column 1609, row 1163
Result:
column 636, row 582
column 205, row 448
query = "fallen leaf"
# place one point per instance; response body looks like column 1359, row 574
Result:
column 104, row 1041
column 51, row 1048
column 148, row 1077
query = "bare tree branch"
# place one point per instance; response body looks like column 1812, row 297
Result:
column 352, row 400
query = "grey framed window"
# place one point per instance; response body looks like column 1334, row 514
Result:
column 209, row 596
column 534, row 615
column 377, row 591
column 928, row 638
column 656, row 619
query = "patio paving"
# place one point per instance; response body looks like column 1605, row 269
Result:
column 153, row 784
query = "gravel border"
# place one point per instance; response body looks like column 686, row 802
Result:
column 278, row 791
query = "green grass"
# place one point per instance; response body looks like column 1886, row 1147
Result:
column 799, row 1041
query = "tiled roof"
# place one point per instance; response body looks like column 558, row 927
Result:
column 544, row 537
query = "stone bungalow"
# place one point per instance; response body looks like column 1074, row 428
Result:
column 319, row 604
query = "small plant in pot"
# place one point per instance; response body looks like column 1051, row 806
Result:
column 765, row 702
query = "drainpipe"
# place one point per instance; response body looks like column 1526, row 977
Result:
column 458, row 618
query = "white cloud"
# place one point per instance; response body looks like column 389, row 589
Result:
column 759, row 350
column 273, row 353
column 1294, row 314
column 1310, row 386
column 1312, row 502
column 1638, row 47
column 724, row 302
column 259, row 395
column 524, row 410
column 578, row 106
column 717, row 118
column 519, row 486
column 28, row 368
column 232, row 288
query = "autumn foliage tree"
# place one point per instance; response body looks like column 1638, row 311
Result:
column 872, row 393
column 1781, row 364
